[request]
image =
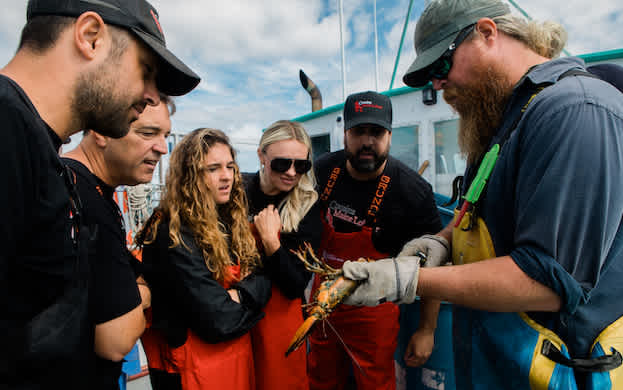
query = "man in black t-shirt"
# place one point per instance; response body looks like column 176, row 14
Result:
column 116, row 302
column 80, row 64
column 373, row 204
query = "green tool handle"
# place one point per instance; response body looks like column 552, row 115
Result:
column 484, row 171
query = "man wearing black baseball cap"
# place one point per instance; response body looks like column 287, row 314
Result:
column 80, row 64
column 373, row 204
column 139, row 17
column 537, row 238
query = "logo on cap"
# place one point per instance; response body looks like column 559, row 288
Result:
column 153, row 15
column 361, row 104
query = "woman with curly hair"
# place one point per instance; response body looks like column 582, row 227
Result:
column 283, row 205
column 203, row 268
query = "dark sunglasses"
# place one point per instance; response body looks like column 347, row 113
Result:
column 282, row 165
column 439, row 69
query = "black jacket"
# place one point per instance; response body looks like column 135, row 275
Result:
column 185, row 294
column 285, row 269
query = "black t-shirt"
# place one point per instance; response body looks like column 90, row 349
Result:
column 113, row 290
column 283, row 267
column 407, row 204
column 38, row 256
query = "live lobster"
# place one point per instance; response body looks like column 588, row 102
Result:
column 331, row 292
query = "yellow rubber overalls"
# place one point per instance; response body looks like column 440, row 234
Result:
column 510, row 350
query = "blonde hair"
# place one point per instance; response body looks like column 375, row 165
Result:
column 295, row 206
column 547, row 39
column 219, row 230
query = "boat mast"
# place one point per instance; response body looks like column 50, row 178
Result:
column 376, row 52
column 342, row 50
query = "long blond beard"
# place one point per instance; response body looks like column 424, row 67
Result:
column 480, row 105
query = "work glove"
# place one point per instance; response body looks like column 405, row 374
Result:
column 387, row 280
column 433, row 248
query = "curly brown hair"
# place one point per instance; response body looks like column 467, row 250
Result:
column 219, row 230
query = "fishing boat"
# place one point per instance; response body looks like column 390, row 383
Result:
column 424, row 137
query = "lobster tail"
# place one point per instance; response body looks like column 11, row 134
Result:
column 301, row 333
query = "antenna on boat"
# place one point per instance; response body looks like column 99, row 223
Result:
column 340, row 7
column 376, row 52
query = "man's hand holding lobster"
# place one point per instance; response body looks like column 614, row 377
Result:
column 386, row 280
column 395, row 279
column 434, row 247
column 365, row 283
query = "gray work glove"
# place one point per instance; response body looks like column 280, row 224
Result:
column 387, row 280
column 434, row 248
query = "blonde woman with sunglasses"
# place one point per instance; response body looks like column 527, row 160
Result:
column 284, row 215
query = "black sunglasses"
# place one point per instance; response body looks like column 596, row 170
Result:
column 439, row 69
column 282, row 165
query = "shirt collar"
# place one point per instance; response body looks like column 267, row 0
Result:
column 549, row 72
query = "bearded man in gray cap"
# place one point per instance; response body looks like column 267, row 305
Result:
column 537, row 240
column 80, row 64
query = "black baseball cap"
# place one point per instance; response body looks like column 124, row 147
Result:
column 174, row 77
column 368, row 108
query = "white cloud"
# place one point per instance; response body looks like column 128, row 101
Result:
column 248, row 53
column 592, row 25
column 12, row 20
column 363, row 29
column 236, row 31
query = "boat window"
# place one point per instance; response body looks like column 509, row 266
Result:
column 449, row 162
column 405, row 145
column 321, row 144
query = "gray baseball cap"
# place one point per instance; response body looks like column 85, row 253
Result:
column 437, row 28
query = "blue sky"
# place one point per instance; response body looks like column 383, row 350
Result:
column 249, row 52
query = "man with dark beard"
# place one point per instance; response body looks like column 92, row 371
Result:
column 373, row 204
column 80, row 64
column 537, row 240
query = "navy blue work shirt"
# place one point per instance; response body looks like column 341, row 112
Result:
column 554, row 201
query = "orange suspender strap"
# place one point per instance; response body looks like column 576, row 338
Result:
column 125, row 201
column 375, row 206
column 326, row 192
